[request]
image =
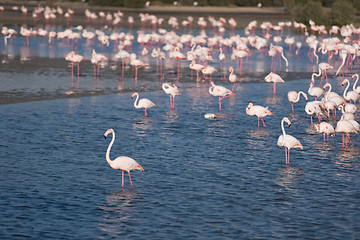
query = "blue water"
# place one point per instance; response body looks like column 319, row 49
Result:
column 203, row 179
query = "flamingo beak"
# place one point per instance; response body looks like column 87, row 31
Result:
column 140, row 168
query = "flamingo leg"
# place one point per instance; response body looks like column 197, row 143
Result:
column 343, row 140
column 263, row 122
column 72, row 75
column 78, row 65
column 288, row 159
column 274, row 88
column 292, row 107
column 324, row 136
column 130, row 179
column 145, row 112
column 285, row 155
column 219, row 104
column 258, row 123
column 122, row 179
column 173, row 102
column 170, row 103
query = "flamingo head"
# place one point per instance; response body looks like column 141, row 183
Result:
column 285, row 119
column 343, row 82
column 250, row 105
column 138, row 167
column 110, row 130
column 317, row 127
column 134, row 94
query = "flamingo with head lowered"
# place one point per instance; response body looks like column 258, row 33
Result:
column 123, row 163
column 287, row 141
column 258, row 111
column 173, row 91
column 294, row 97
column 220, row 91
column 275, row 78
column 142, row 103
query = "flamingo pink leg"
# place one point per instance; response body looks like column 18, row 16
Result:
column 274, row 88
column 130, row 179
column 122, row 179
column 145, row 112
column 220, row 104
column 263, row 122
column 286, row 155
column 292, row 107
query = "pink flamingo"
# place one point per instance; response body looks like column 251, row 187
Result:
column 220, row 91
column 275, row 78
column 123, row 163
column 142, row 103
column 96, row 59
column 171, row 90
column 294, row 97
column 75, row 58
column 325, row 128
column 136, row 63
column 197, row 68
column 259, row 111
column 232, row 77
column 287, row 141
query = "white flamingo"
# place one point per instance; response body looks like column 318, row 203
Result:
column 142, row 103
column 325, row 128
column 294, row 97
column 258, row 111
column 287, row 141
column 123, row 163
column 171, row 90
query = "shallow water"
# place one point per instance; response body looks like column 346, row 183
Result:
column 214, row 179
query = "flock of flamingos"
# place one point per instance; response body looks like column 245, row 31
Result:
column 208, row 54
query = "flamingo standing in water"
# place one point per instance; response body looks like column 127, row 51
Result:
column 96, row 59
column 232, row 77
column 220, row 91
column 197, row 67
column 323, row 67
column 259, row 111
column 75, row 58
column 275, row 78
column 142, row 103
column 136, row 63
column 345, row 127
column 287, row 141
column 325, row 128
column 123, row 163
column 171, row 90
column 349, row 95
column 294, row 97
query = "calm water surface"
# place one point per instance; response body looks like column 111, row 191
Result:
column 203, row 179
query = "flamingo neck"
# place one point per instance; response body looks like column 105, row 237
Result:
column 109, row 148
column 348, row 84
column 283, row 130
column 357, row 79
column 136, row 104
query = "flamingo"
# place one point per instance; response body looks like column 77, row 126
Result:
column 74, row 58
column 325, row 128
column 315, row 91
column 313, row 108
column 323, row 66
column 136, row 63
column 287, row 141
column 345, row 127
column 351, row 95
column 171, row 90
column 123, row 163
column 294, row 97
column 96, row 59
column 197, row 68
column 232, row 77
column 356, row 88
column 220, row 91
column 259, row 111
column 275, row 78
column 142, row 103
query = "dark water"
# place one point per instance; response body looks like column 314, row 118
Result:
column 203, row 179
